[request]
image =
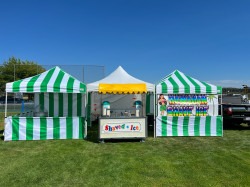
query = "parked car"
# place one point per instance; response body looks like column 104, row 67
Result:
column 236, row 110
column 10, row 100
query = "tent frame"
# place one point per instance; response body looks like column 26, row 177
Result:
column 5, row 112
column 64, row 92
column 173, row 92
column 124, row 79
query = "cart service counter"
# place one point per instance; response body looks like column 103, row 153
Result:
column 122, row 124
column 119, row 128
column 115, row 95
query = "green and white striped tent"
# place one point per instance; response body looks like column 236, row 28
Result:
column 58, row 94
column 179, row 83
column 53, row 80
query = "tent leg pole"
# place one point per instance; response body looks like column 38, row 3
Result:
column 5, row 112
column 221, row 112
column 86, row 130
column 154, row 117
column 90, row 108
column 85, row 122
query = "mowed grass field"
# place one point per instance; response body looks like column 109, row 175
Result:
column 168, row 161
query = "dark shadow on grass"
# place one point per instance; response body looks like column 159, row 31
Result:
column 92, row 135
column 1, row 134
column 121, row 140
column 150, row 131
column 236, row 127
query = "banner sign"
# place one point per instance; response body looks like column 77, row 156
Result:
column 122, row 127
column 187, row 105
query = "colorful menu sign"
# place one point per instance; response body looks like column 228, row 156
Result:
column 187, row 105
column 110, row 128
column 122, row 127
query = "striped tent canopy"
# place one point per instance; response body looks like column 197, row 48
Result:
column 179, row 83
column 53, row 80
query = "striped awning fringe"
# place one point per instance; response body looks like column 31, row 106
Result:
column 138, row 88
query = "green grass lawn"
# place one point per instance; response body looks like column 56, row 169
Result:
column 179, row 161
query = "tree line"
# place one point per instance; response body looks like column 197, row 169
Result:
column 15, row 69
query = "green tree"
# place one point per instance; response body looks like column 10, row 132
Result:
column 16, row 69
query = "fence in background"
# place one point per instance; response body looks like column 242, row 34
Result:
column 84, row 73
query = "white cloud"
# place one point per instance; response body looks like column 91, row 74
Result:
column 230, row 83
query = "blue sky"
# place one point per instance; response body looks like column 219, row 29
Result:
column 208, row 40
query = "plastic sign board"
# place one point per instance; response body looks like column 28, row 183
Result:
column 122, row 128
column 187, row 105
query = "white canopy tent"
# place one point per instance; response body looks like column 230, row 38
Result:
column 123, row 90
column 119, row 76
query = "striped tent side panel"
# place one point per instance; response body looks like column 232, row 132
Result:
column 15, row 128
column 189, row 126
column 41, row 128
column 159, row 126
column 219, row 126
column 76, row 128
column 23, row 128
column 61, row 104
column 8, row 129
